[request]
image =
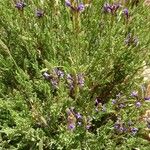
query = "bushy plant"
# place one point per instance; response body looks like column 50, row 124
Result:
column 71, row 75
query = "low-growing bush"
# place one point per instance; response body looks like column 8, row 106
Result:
column 71, row 75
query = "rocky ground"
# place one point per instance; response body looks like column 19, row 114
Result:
column 147, row 2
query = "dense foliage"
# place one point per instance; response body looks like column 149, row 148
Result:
column 70, row 75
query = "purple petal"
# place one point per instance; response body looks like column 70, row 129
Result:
column 20, row 5
column 134, row 94
column 134, row 130
column 138, row 104
column 78, row 115
column 71, row 126
column 59, row 72
column 67, row 2
column 81, row 7
column 147, row 98
column 126, row 12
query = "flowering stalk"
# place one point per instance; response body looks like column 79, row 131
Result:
column 112, row 9
column 20, row 5
column 71, row 119
column 126, row 16
column 75, row 9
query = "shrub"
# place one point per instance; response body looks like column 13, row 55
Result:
column 71, row 75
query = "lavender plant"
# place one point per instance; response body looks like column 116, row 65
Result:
column 71, row 75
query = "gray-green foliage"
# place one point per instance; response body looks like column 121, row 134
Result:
column 33, row 113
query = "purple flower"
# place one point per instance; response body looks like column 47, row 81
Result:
column 122, row 129
column 134, row 94
column 78, row 115
column 106, row 8
column 20, row 5
column 114, row 101
column 138, row 104
column 111, row 8
column 67, row 2
column 59, row 72
column 71, row 126
column 134, row 130
column 126, row 13
column 81, row 7
column 71, row 119
column 147, row 98
column 39, row 13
